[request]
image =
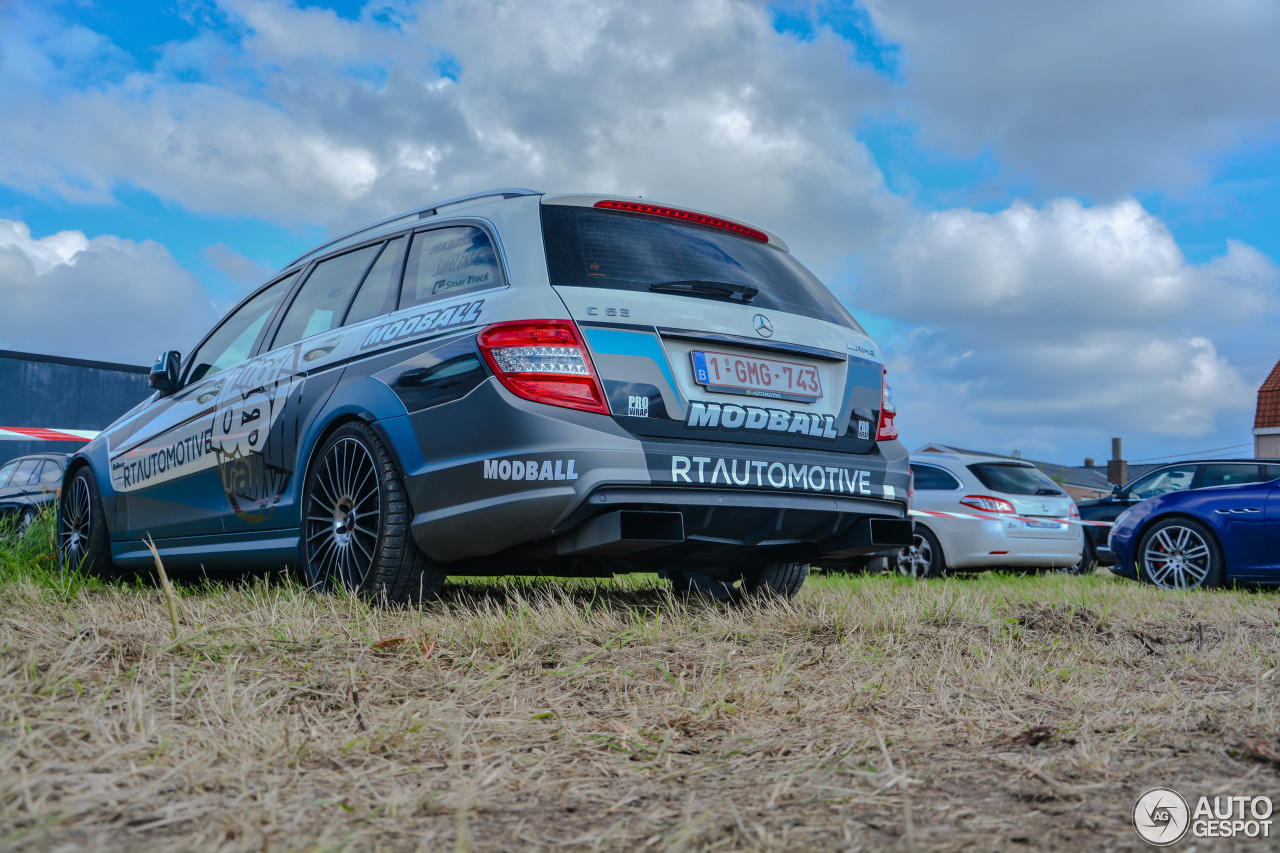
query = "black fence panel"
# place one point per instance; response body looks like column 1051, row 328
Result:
column 63, row 393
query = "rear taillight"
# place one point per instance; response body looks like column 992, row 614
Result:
column 987, row 503
column 544, row 361
column 885, row 430
column 1075, row 510
column 686, row 216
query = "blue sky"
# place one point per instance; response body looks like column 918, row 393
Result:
column 1056, row 219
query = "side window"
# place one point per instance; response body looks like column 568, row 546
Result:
column 233, row 340
column 50, row 474
column 6, row 471
column 449, row 262
column 377, row 294
column 1173, row 479
column 22, row 476
column 323, row 299
column 1229, row 474
column 1269, row 472
column 929, row 478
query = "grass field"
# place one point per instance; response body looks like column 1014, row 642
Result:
column 982, row 713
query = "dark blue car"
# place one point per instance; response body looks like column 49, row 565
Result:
column 1202, row 537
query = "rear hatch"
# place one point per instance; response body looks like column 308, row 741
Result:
column 706, row 329
column 1033, row 495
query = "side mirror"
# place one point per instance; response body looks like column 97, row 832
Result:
column 164, row 375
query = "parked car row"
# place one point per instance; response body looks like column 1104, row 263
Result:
column 30, row 483
column 1183, row 525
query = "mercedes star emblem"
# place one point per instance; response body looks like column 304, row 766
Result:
column 762, row 326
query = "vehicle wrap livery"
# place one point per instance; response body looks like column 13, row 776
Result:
column 756, row 419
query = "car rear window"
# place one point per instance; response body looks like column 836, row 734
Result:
column 587, row 247
column 1014, row 479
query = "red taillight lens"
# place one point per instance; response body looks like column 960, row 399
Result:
column 885, row 430
column 1075, row 510
column 686, row 216
column 987, row 503
column 544, row 361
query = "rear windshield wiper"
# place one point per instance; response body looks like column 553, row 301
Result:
column 713, row 289
column 1047, row 491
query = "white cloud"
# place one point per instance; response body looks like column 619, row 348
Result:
column 1094, row 97
column 102, row 298
column 300, row 116
column 1067, row 324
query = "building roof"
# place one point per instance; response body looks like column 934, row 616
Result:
column 1268, row 414
column 1082, row 476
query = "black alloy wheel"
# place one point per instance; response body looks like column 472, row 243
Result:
column 82, row 529
column 356, row 525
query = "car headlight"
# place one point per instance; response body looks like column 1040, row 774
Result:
column 1120, row 519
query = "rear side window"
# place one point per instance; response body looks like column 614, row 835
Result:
column 449, row 262
column 626, row 251
column 323, row 299
column 1230, row 474
column 50, row 474
column 6, row 471
column 1013, row 479
column 930, row 479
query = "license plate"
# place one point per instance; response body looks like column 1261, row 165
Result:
column 756, row 377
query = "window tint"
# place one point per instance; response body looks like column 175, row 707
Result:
column 1161, row 482
column 234, row 339
column 1270, row 472
column 50, row 474
column 1014, row 479
column 929, row 478
column 320, row 303
column 22, row 476
column 1229, row 473
column 6, row 471
column 377, row 293
column 595, row 248
column 448, row 262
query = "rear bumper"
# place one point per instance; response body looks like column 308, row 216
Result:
column 493, row 476
column 968, row 543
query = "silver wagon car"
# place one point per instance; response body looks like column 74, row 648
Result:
column 511, row 382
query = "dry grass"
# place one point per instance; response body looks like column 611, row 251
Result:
column 872, row 713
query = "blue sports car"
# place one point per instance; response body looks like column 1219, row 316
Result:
column 1202, row 537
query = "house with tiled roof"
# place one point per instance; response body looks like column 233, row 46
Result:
column 1266, row 421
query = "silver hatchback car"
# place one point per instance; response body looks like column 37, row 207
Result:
column 1041, row 535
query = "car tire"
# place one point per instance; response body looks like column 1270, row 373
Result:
column 782, row 580
column 775, row 579
column 924, row 559
column 1180, row 553
column 25, row 520
column 82, row 527
column 356, row 519
column 1088, row 559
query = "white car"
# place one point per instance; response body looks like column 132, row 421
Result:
column 1026, row 518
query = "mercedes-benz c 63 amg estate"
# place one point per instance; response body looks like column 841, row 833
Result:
column 511, row 382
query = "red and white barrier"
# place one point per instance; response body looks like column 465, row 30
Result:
column 928, row 512
column 46, row 434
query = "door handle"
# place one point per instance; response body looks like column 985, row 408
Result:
column 209, row 394
column 319, row 352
